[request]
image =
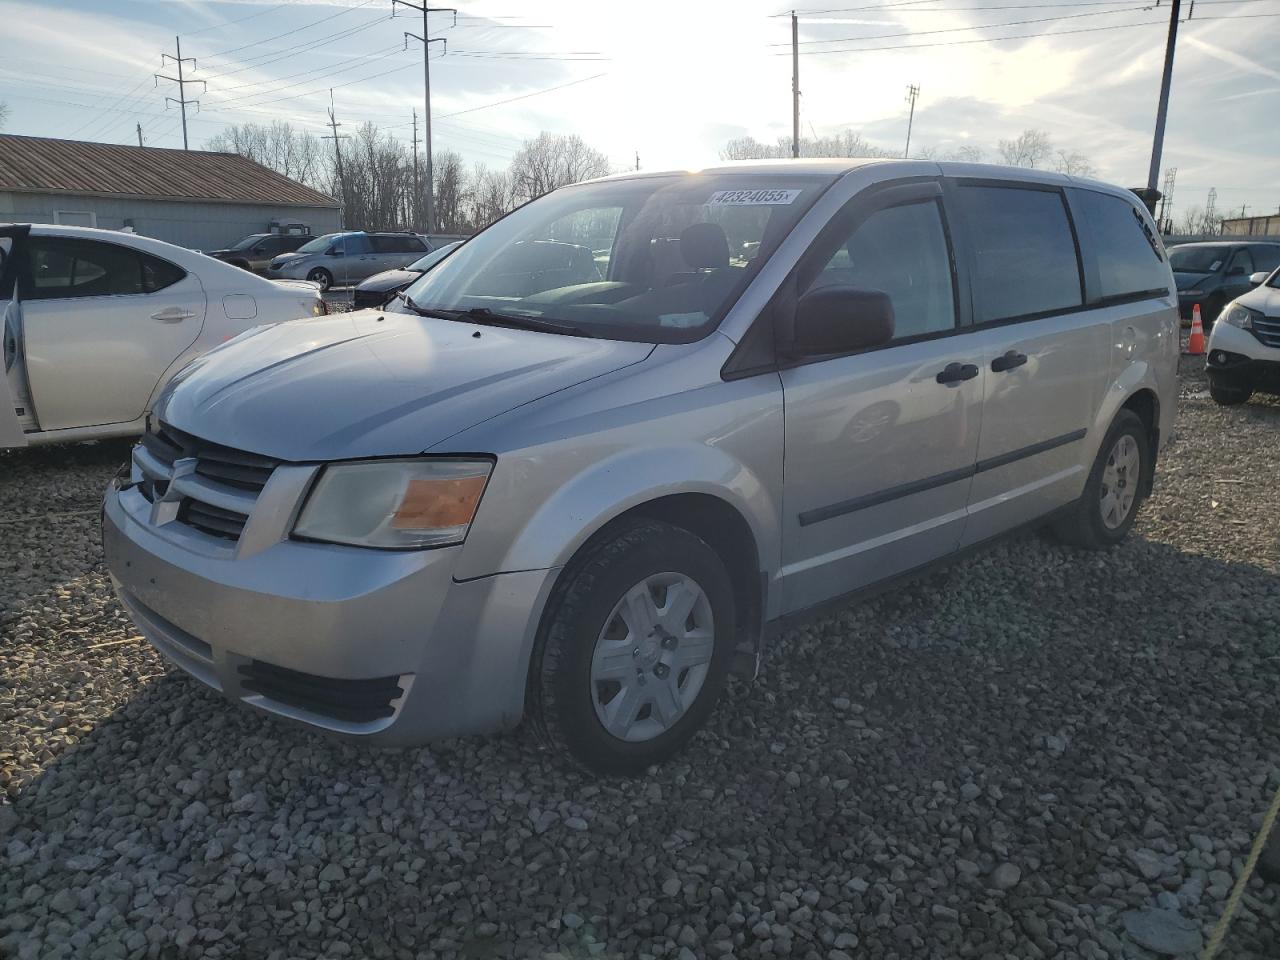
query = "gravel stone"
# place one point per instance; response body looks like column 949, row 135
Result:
column 1163, row 931
column 1106, row 704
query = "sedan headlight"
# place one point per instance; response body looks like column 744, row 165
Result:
column 1239, row 316
column 394, row 504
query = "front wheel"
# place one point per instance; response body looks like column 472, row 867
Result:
column 1114, row 491
column 1229, row 395
column 634, row 648
column 321, row 277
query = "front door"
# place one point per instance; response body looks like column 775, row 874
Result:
column 1235, row 280
column 101, row 324
column 360, row 261
column 880, row 445
column 1046, row 358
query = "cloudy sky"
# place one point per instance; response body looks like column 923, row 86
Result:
column 672, row 80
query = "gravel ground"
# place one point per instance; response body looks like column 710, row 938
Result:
column 1040, row 752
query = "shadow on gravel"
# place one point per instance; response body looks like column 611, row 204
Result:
column 1000, row 759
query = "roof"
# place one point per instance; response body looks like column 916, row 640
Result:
column 43, row 165
column 1261, row 241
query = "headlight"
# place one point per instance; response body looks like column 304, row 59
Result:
column 394, row 504
column 1239, row 316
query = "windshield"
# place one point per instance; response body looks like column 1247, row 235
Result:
column 1197, row 259
column 434, row 257
column 319, row 244
column 654, row 259
column 1274, row 280
column 248, row 242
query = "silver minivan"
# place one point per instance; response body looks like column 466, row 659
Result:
column 343, row 259
column 591, row 462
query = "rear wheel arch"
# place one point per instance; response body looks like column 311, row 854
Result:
column 1146, row 405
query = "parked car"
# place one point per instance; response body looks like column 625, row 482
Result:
column 1243, row 355
column 381, row 287
column 257, row 250
column 1211, row 274
column 529, row 489
column 95, row 322
column 343, row 259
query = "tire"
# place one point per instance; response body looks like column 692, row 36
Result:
column 589, row 668
column 1105, row 512
column 323, row 277
column 1229, row 395
column 1209, row 315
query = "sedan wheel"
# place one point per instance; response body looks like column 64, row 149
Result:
column 321, row 277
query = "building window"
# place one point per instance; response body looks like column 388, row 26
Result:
column 75, row 218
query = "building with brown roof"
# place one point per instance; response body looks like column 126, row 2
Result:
column 193, row 198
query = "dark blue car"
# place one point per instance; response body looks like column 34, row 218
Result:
column 1214, row 273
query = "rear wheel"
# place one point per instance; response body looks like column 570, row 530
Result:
column 322, row 277
column 1229, row 394
column 1114, row 491
column 634, row 648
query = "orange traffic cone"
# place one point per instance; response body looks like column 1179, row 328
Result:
column 1195, row 343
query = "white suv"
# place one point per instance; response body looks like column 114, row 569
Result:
column 1244, row 347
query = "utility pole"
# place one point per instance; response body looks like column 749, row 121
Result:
column 337, row 150
column 912, row 92
column 637, row 159
column 417, row 189
column 1162, row 111
column 428, row 187
column 181, row 99
column 1243, row 208
column 795, row 85
column 139, row 126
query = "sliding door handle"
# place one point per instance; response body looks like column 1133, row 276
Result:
column 1007, row 362
column 957, row 373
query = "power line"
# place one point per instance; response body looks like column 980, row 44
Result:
column 523, row 96
column 979, row 26
column 227, row 23
column 326, row 71
column 304, row 47
column 289, row 33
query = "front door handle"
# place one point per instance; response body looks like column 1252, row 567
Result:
column 172, row 315
column 1007, row 362
column 957, row 372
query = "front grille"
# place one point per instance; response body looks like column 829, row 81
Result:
column 216, row 497
column 352, row 701
column 1267, row 330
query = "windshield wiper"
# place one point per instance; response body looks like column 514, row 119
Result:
column 483, row 315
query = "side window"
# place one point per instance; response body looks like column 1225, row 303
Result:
column 158, row 274
column 1266, row 258
column 1129, row 261
column 901, row 251
column 1241, row 262
column 1023, row 251
column 413, row 245
column 62, row 268
column 357, row 244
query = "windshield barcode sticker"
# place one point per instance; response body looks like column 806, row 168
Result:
column 751, row 198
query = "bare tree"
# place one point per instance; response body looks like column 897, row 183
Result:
column 1031, row 149
column 843, row 144
column 493, row 195
column 555, row 160
column 295, row 153
column 1197, row 221
column 1074, row 164
column 452, row 192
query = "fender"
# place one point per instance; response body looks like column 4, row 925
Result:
column 1138, row 375
column 611, row 486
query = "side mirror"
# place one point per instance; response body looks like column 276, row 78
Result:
column 1259, row 278
column 841, row 319
column 334, row 252
column 257, row 250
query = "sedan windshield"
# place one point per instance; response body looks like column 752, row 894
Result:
column 319, row 244
column 1197, row 259
column 654, row 259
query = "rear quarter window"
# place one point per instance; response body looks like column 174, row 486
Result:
column 1130, row 260
column 1023, row 250
column 1266, row 257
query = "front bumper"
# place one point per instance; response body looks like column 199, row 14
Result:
column 385, row 646
column 1235, row 357
column 294, row 270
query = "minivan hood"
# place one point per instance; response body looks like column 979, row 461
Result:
column 389, row 280
column 369, row 384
